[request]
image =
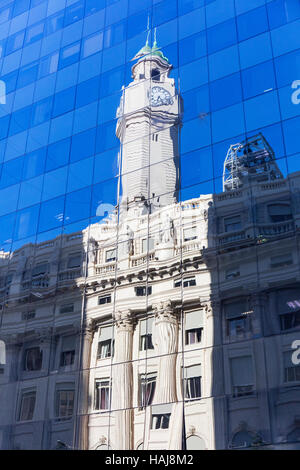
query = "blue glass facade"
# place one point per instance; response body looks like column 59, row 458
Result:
column 63, row 68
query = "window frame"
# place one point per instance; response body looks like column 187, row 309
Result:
column 147, row 386
column 161, row 421
column 26, row 393
column 236, row 226
column 111, row 259
column 192, row 383
column 102, row 384
column 25, row 358
column 145, row 291
column 110, row 349
column 64, row 388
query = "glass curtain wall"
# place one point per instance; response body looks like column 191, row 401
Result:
column 149, row 221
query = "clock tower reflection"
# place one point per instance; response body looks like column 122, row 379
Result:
column 148, row 129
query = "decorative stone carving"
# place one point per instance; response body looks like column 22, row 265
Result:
column 165, row 338
column 92, row 253
column 192, row 430
column 126, row 237
column 124, row 320
column 167, row 232
column 211, row 307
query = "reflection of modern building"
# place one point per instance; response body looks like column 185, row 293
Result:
column 251, row 161
column 118, row 333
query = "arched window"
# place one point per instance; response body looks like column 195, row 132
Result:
column 195, row 443
column 155, row 75
column 140, row 446
column 242, row 439
column 103, row 447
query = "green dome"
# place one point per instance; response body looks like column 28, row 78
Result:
column 147, row 50
column 156, row 51
column 144, row 51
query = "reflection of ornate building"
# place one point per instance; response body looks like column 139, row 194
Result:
column 148, row 130
column 110, row 331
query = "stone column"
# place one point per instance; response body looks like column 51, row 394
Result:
column 87, row 333
column 166, row 345
column 122, row 381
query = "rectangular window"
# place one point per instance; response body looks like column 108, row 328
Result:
column 161, row 415
column 64, row 401
column 147, row 389
column 67, row 354
column 106, row 343
column 147, row 247
column 74, row 13
column 74, row 260
column 290, row 320
column 33, row 359
column 104, row 300
column 110, row 255
column 102, row 394
column 28, row 315
column 232, row 224
column 242, row 377
column 279, row 212
column 190, row 282
column 14, row 42
column 34, row 33
column 146, row 334
column 237, row 318
column 193, row 377
column 48, row 64
column 141, row 291
column 66, row 308
column 54, row 23
column 193, row 327
column 93, row 44
column 288, row 308
column 161, row 421
column 40, row 269
column 27, row 406
column 281, row 260
column 291, row 371
column 189, row 234
column 69, row 55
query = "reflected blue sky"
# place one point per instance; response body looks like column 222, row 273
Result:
column 64, row 68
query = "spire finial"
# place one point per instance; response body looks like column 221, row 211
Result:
column 148, row 31
column 155, row 38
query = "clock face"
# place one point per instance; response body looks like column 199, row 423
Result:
column 160, row 96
